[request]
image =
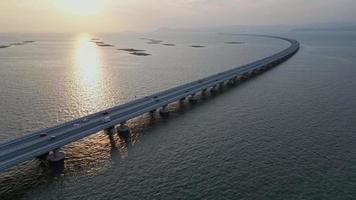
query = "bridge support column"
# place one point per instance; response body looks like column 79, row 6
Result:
column 257, row 71
column 164, row 111
column 56, row 156
column 221, row 85
column 43, row 156
column 203, row 93
column 244, row 77
column 238, row 79
column 109, row 130
column 215, row 89
column 123, row 129
column 193, row 99
column 231, row 82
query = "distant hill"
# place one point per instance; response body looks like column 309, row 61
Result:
column 339, row 26
column 230, row 29
column 336, row 26
column 331, row 28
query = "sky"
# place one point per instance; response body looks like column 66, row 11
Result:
column 147, row 15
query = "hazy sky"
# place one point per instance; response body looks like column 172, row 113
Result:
column 143, row 15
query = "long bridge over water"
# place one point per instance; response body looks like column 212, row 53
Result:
column 46, row 143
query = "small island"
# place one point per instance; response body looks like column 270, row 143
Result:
column 17, row 43
column 168, row 44
column 105, row 45
column 4, row 46
column 234, row 42
column 131, row 50
column 197, row 46
column 140, row 54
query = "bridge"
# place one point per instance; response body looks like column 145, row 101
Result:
column 46, row 143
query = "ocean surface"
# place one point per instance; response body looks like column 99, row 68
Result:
column 289, row 133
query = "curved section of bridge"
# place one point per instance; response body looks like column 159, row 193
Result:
column 42, row 142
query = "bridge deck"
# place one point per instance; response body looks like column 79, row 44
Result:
column 32, row 145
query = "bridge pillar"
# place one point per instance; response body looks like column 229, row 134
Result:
column 109, row 130
column 164, row 111
column 56, row 156
column 221, row 85
column 245, row 76
column 123, row 129
column 231, row 82
column 203, row 92
column 43, row 156
column 237, row 79
column 193, row 99
column 215, row 89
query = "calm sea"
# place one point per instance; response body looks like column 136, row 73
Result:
column 289, row 133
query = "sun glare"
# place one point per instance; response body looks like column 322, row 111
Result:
column 88, row 72
column 82, row 7
column 87, row 63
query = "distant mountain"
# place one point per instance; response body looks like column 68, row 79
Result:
column 345, row 26
column 230, row 29
column 328, row 27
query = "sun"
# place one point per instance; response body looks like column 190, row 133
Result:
column 81, row 7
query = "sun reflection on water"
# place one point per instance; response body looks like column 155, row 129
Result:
column 88, row 73
column 88, row 62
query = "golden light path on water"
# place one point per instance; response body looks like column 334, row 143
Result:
column 89, row 91
column 88, row 72
column 88, row 63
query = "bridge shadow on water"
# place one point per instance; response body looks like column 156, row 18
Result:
column 23, row 178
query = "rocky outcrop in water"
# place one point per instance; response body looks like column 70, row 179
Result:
column 234, row 42
column 131, row 50
column 140, row 54
column 168, row 44
column 197, row 46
